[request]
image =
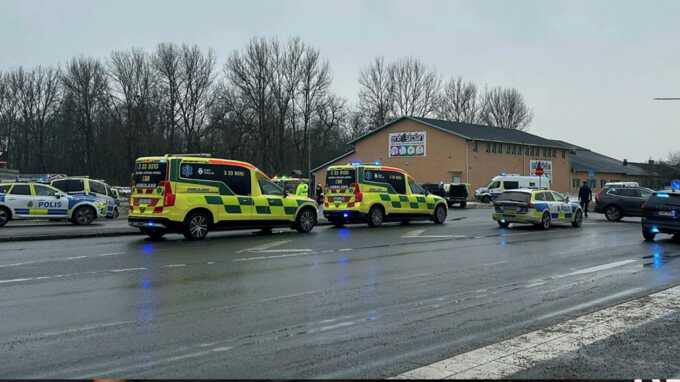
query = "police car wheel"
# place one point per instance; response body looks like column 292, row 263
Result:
column 305, row 221
column 196, row 226
column 84, row 215
column 4, row 216
column 578, row 219
column 486, row 199
column 376, row 216
column 546, row 221
column 439, row 214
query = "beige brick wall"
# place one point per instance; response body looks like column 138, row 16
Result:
column 447, row 155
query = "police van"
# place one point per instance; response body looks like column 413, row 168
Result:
column 504, row 182
column 35, row 200
column 194, row 194
column 90, row 187
column 361, row 193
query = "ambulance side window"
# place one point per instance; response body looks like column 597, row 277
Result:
column 510, row 185
column 396, row 180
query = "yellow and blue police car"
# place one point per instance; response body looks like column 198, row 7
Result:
column 358, row 193
column 35, row 200
column 192, row 194
column 540, row 207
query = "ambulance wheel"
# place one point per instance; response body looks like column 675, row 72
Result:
column 546, row 221
column 4, row 216
column 439, row 216
column 305, row 220
column 196, row 225
column 154, row 234
column 376, row 216
column 578, row 219
column 503, row 224
column 83, row 215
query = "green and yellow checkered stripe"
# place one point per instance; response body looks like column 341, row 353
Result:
column 404, row 201
column 263, row 206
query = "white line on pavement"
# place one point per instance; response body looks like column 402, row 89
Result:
column 174, row 265
column 282, row 250
column 127, row 270
column 264, row 246
column 600, row 267
column 520, row 353
column 413, row 233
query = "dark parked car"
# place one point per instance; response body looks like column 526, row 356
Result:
column 661, row 214
column 616, row 203
column 457, row 193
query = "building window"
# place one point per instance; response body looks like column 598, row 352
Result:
column 488, row 147
column 514, row 149
column 508, row 148
column 493, row 148
column 526, row 150
column 475, row 148
column 564, row 154
column 554, row 153
column 575, row 183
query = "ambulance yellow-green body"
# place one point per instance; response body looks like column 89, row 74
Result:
column 360, row 193
column 196, row 194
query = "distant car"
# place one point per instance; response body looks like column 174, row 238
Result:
column 538, row 207
column 618, row 202
column 454, row 193
column 661, row 214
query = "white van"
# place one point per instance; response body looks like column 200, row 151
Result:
column 502, row 183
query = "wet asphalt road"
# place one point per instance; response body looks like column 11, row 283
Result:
column 350, row 302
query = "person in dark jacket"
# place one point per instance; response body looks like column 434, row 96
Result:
column 585, row 195
column 319, row 194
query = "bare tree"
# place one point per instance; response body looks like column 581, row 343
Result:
column 505, row 108
column 196, row 94
column 250, row 72
column 376, row 92
column 86, row 84
column 415, row 88
column 673, row 158
column 459, row 102
column 135, row 88
column 166, row 61
column 315, row 81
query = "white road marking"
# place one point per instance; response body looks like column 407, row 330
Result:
column 283, row 250
column 264, row 246
column 174, row 265
column 243, row 259
column 508, row 357
column 110, row 254
column 538, row 283
column 210, row 262
column 76, row 257
column 16, row 280
column 127, row 270
column 413, row 233
column 600, row 267
column 58, row 259
column 344, row 249
column 17, row 264
column 428, row 237
column 336, row 326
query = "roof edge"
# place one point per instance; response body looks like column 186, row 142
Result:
column 325, row 164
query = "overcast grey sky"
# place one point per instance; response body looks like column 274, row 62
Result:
column 588, row 69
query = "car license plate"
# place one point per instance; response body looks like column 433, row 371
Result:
column 144, row 201
column 667, row 213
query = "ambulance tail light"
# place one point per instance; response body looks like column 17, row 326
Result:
column 358, row 196
column 168, row 196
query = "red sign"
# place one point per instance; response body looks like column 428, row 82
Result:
column 539, row 170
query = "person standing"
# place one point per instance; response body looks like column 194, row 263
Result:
column 585, row 195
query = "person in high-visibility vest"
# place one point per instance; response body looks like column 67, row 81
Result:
column 302, row 189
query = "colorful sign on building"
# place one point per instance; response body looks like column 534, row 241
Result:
column 408, row 144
